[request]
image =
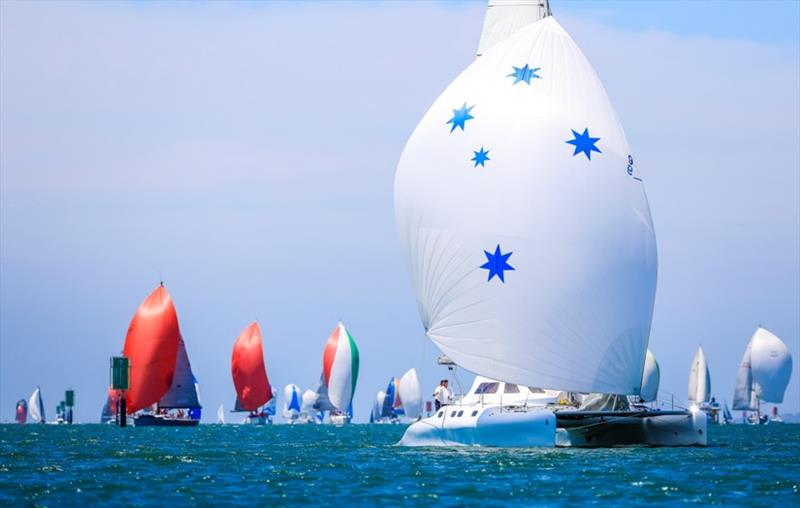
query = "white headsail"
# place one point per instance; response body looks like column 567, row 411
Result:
column 764, row 372
column 650, row 378
column 411, row 394
column 531, row 247
column 699, row 378
column 36, row 407
column 505, row 17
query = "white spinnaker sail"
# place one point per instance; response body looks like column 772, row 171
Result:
column 575, row 312
column 36, row 406
column 771, row 366
column 411, row 394
column 650, row 378
column 309, row 401
column 699, row 378
column 291, row 401
column 220, row 414
column 505, row 17
column 377, row 406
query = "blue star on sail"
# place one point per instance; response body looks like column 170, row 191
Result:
column 525, row 74
column 584, row 143
column 481, row 157
column 460, row 117
column 497, row 264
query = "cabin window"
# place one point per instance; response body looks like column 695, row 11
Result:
column 440, row 414
column 535, row 390
column 475, row 413
column 460, row 413
column 486, row 388
column 452, row 414
column 511, row 388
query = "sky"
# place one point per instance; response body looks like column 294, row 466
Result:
column 244, row 153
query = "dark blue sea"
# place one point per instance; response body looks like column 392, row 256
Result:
column 358, row 465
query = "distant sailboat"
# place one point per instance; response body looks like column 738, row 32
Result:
column 221, row 414
column 36, row 407
column 159, row 365
column 530, row 243
column 111, row 406
column 699, row 379
column 727, row 416
column 411, row 394
column 763, row 374
column 250, row 376
column 392, row 408
column 308, row 411
column 21, row 411
column 340, row 362
column 291, row 405
column 376, row 415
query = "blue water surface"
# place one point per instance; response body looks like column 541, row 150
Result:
column 356, row 465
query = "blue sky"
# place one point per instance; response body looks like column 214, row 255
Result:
column 245, row 154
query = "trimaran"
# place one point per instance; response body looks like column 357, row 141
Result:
column 532, row 249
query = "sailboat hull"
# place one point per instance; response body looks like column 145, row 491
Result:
column 656, row 428
column 492, row 426
column 160, row 421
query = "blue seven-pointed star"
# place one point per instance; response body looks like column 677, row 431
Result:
column 497, row 263
column 525, row 74
column 481, row 157
column 460, row 117
column 584, row 143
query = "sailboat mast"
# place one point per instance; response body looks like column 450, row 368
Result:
column 504, row 17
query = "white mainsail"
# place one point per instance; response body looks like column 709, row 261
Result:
column 220, row 414
column 505, row 17
column 36, row 407
column 533, row 261
column 411, row 394
column 650, row 378
column 699, row 378
column 184, row 391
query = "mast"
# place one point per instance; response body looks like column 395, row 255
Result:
column 504, row 17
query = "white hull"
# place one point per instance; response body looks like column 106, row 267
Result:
column 483, row 426
column 674, row 429
column 496, row 426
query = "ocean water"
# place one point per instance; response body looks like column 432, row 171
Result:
column 359, row 465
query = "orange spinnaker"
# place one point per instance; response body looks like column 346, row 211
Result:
column 247, row 368
column 152, row 347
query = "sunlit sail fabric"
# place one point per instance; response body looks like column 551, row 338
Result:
column 531, row 247
column 651, row 378
column 340, row 361
column 152, row 348
column 699, row 378
column 247, row 368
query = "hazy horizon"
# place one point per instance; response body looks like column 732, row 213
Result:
column 244, row 153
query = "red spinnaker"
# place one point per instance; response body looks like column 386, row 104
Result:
column 152, row 347
column 247, row 368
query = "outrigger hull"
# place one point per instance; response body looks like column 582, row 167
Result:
column 491, row 426
column 631, row 428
